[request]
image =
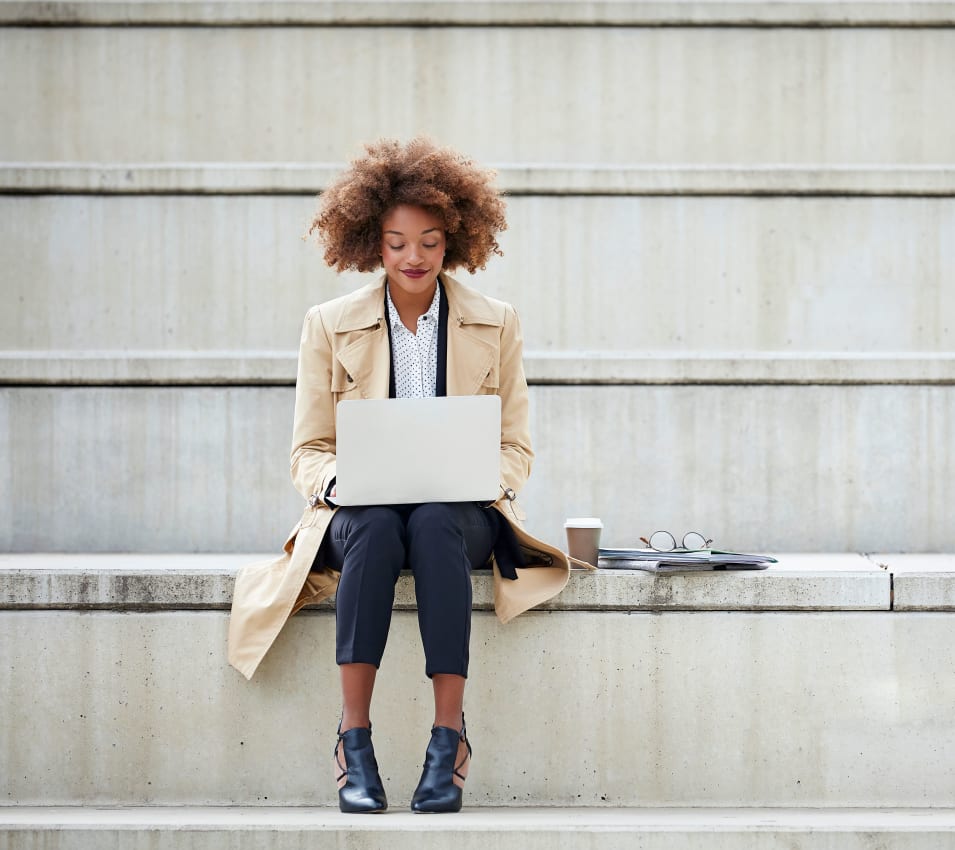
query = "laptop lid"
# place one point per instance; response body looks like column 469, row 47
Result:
column 407, row 450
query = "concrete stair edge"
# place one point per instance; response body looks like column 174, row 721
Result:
column 656, row 829
column 187, row 582
column 799, row 582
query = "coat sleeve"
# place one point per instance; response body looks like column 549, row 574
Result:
column 313, row 430
column 516, row 452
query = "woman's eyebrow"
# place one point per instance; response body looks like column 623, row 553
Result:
column 423, row 232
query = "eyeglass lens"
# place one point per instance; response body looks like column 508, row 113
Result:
column 694, row 540
column 663, row 541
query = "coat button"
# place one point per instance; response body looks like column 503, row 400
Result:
column 350, row 379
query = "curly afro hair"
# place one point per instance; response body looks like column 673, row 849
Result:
column 418, row 173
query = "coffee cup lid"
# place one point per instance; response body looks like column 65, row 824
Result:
column 583, row 522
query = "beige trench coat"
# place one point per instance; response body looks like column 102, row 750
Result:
column 345, row 354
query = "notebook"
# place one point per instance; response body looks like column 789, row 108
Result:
column 407, row 450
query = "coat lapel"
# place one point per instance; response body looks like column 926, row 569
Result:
column 474, row 329
column 366, row 360
column 366, row 357
column 473, row 339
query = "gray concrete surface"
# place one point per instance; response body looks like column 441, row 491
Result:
column 921, row 582
column 536, row 829
column 814, row 582
column 777, row 468
column 708, row 94
column 592, row 708
column 477, row 13
column 805, row 709
column 679, row 275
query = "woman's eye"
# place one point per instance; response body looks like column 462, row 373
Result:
column 423, row 245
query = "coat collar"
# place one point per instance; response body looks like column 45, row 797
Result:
column 468, row 307
column 366, row 307
column 363, row 308
column 473, row 339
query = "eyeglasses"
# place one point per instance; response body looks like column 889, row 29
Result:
column 663, row 541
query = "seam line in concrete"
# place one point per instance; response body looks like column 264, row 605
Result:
column 250, row 368
column 811, row 180
column 267, row 384
column 502, row 13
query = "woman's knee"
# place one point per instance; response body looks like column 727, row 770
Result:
column 433, row 517
column 373, row 536
column 443, row 534
column 375, row 524
column 376, row 519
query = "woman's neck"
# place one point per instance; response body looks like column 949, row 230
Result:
column 411, row 305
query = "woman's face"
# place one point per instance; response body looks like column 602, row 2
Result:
column 412, row 249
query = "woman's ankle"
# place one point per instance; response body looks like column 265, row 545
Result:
column 448, row 700
column 355, row 721
column 450, row 721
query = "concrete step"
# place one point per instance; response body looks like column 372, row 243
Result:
column 799, row 582
column 683, row 274
column 521, row 829
column 806, row 94
column 920, row 582
column 778, row 467
column 630, row 690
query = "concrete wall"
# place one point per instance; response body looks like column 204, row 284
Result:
column 693, row 708
column 735, row 275
column 790, row 468
column 507, row 94
column 672, row 274
column 731, row 248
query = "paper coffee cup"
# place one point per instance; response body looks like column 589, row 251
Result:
column 583, row 538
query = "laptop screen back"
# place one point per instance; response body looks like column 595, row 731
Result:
column 410, row 450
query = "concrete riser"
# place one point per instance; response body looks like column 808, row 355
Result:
column 503, row 94
column 581, row 709
column 789, row 468
column 586, row 273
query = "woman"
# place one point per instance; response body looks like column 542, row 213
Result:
column 416, row 211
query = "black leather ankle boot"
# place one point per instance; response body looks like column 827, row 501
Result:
column 362, row 791
column 436, row 791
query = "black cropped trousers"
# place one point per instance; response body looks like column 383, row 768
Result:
column 440, row 543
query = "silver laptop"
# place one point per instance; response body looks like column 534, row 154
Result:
column 408, row 450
